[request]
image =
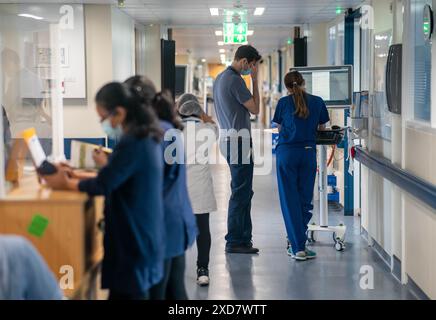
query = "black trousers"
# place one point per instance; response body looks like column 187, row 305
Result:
column 172, row 286
column 203, row 240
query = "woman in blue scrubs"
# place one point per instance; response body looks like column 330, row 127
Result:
column 299, row 116
column 180, row 223
column 132, row 182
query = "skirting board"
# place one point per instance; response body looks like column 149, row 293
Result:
column 396, row 271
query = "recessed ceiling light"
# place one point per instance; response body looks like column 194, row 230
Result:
column 220, row 43
column 222, row 50
column 214, row 12
column 259, row 11
column 250, row 32
column 26, row 15
column 218, row 32
column 203, row 60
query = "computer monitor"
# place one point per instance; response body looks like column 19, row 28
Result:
column 332, row 83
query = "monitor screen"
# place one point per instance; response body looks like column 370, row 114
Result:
column 333, row 84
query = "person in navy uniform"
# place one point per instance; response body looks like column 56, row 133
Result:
column 132, row 183
column 180, row 223
column 298, row 115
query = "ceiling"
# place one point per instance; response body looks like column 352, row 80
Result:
column 194, row 27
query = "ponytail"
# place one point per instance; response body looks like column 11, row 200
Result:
column 294, row 81
column 165, row 109
column 161, row 103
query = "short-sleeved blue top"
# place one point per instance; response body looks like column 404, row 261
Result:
column 296, row 131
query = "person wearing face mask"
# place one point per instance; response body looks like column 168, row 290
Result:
column 233, row 105
column 132, row 183
column 180, row 224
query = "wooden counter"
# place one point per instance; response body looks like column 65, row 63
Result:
column 72, row 237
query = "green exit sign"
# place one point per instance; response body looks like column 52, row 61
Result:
column 235, row 39
column 235, row 26
column 235, row 33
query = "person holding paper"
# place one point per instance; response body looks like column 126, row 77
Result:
column 180, row 225
column 134, row 238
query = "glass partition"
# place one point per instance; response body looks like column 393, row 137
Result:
column 31, row 87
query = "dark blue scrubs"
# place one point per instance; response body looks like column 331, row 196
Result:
column 180, row 223
column 296, row 164
column 134, row 239
column 181, row 226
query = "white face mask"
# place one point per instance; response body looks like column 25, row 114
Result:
column 112, row 133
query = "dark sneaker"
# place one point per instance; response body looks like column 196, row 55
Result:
column 203, row 277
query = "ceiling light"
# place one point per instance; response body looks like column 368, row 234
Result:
column 214, row 12
column 259, row 11
column 218, row 32
column 26, row 15
column 250, row 32
column 220, row 43
column 203, row 60
column 222, row 50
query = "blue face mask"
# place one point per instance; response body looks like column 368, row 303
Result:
column 112, row 133
column 246, row 72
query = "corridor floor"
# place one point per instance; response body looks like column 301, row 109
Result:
column 272, row 275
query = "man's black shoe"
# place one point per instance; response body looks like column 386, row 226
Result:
column 242, row 250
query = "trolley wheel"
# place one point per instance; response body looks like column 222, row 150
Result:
column 339, row 246
column 311, row 236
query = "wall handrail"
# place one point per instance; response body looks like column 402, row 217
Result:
column 417, row 187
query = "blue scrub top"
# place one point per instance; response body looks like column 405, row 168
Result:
column 296, row 131
column 180, row 223
column 134, row 239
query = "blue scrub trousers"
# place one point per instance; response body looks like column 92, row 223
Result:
column 239, row 225
column 296, row 173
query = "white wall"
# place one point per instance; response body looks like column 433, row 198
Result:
column 317, row 44
column 123, row 45
column 153, row 54
column 80, row 118
column 140, row 56
column 110, row 55
column 404, row 226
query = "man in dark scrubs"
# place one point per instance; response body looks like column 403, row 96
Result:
column 233, row 104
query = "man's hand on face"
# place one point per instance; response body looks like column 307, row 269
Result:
column 254, row 71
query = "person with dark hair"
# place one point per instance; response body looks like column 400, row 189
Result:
column 200, row 181
column 180, row 222
column 233, row 105
column 132, row 182
column 298, row 115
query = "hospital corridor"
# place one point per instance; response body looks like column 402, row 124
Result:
column 217, row 158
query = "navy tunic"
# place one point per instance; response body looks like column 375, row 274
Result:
column 134, row 239
column 181, row 227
